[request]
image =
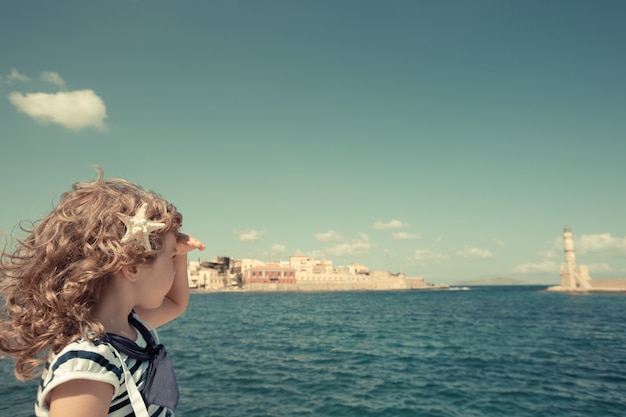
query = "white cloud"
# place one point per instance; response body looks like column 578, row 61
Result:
column 601, row 267
column 393, row 224
column 74, row 110
column 348, row 248
column 500, row 243
column 278, row 248
column 315, row 254
column 426, row 256
column 53, row 78
column 600, row 243
column 547, row 254
column 15, row 75
column 530, row 268
column 250, row 235
column 329, row 236
column 474, row 253
column 406, row 236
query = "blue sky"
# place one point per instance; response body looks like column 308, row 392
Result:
column 447, row 139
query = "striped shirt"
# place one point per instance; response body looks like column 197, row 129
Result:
column 96, row 362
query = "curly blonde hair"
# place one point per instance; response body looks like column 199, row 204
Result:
column 51, row 281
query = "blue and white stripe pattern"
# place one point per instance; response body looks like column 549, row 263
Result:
column 96, row 362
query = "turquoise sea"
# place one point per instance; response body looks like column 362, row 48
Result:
column 487, row 351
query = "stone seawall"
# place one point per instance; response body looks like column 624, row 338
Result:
column 208, row 280
column 323, row 286
column 615, row 284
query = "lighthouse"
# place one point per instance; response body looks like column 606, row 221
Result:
column 568, row 245
column 573, row 277
column 576, row 278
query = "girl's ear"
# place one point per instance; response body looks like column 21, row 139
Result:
column 130, row 272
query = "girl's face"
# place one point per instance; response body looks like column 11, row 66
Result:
column 158, row 277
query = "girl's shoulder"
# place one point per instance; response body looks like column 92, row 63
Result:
column 97, row 351
column 83, row 359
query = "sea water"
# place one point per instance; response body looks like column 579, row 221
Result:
column 487, row 351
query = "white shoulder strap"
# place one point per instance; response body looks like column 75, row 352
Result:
column 136, row 400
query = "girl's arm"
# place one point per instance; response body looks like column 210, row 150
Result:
column 81, row 397
column 177, row 299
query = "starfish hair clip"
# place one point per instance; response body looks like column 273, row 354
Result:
column 138, row 227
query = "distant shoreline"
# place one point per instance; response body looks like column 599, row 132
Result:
column 441, row 287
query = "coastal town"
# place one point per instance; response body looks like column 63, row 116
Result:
column 299, row 273
column 304, row 273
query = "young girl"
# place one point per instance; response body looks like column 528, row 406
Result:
column 81, row 292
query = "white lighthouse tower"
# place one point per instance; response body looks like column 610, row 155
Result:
column 568, row 246
column 573, row 277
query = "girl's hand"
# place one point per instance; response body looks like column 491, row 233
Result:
column 176, row 300
column 186, row 243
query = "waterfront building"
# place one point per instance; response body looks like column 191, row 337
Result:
column 247, row 264
column 324, row 266
column 204, row 278
column 301, row 263
column 269, row 276
column 301, row 273
column 358, row 269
